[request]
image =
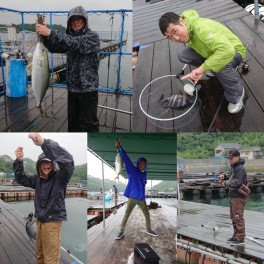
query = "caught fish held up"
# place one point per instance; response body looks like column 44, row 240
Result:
column 31, row 226
column 176, row 101
column 40, row 69
column 118, row 165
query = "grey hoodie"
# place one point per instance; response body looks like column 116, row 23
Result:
column 82, row 49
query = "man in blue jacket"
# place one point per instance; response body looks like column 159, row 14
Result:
column 82, row 47
column 135, row 190
column 54, row 169
column 237, row 200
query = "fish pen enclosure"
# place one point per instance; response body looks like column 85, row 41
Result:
column 18, row 40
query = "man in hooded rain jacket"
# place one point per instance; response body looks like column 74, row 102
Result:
column 54, row 169
column 81, row 45
column 212, row 47
column 135, row 189
column 237, row 200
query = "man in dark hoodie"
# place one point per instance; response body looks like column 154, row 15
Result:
column 135, row 189
column 54, row 169
column 81, row 45
column 237, row 201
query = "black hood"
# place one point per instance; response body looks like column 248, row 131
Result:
column 41, row 157
column 77, row 11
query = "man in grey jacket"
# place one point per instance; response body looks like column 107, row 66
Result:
column 237, row 200
column 54, row 169
column 81, row 45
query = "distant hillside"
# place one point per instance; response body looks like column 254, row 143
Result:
column 31, row 27
column 165, row 186
column 95, row 184
column 202, row 145
column 6, row 166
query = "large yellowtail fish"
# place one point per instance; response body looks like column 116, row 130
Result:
column 118, row 165
column 40, row 69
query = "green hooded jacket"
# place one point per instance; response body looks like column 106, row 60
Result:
column 212, row 40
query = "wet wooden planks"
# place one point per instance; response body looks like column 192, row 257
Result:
column 22, row 115
column 114, row 121
column 210, row 216
column 102, row 240
column 14, row 243
column 157, row 58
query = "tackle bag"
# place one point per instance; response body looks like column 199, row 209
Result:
column 144, row 254
column 244, row 190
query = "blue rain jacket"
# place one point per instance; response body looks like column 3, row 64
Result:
column 137, row 179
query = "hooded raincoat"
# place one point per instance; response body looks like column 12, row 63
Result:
column 212, row 40
column 238, row 176
column 137, row 179
column 49, row 193
column 82, row 53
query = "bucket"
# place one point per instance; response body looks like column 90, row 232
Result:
column 16, row 81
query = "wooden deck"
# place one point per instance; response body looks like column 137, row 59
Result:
column 210, row 215
column 22, row 115
column 103, row 248
column 14, row 243
column 157, row 56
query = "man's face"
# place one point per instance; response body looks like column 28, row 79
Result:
column 233, row 159
column 46, row 167
column 77, row 23
column 178, row 33
column 142, row 165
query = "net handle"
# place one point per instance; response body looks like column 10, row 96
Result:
column 172, row 118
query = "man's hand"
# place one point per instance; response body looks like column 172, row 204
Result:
column 195, row 75
column 42, row 29
column 118, row 143
column 36, row 138
column 19, row 153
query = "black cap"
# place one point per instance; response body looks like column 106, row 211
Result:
column 233, row 153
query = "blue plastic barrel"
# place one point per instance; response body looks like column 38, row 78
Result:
column 16, row 82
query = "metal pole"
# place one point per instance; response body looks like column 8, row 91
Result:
column 120, row 51
column 23, row 30
column 114, row 109
column 151, row 190
column 103, row 194
column 256, row 10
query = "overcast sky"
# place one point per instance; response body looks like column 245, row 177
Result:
column 95, row 170
column 75, row 143
column 63, row 5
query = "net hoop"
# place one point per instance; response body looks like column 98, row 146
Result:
column 172, row 118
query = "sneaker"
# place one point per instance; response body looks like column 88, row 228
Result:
column 119, row 235
column 237, row 243
column 152, row 233
column 235, row 108
column 231, row 239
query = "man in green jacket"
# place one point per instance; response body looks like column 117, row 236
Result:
column 212, row 48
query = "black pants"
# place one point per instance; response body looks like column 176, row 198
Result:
column 82, row 112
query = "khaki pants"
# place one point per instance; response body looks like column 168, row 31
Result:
column 48, row 242
column 130, row 206
column 237, row 216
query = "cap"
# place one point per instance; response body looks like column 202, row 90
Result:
column 233, row 153
column 45, row 159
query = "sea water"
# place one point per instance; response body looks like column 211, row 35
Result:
column 74, row 236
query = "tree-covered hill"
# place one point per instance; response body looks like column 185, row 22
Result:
column 165, row 186
column 202, row 145
column 95, row 184
column 6, row 166
column 31, row 27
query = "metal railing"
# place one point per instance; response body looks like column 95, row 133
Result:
column 116, row 36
